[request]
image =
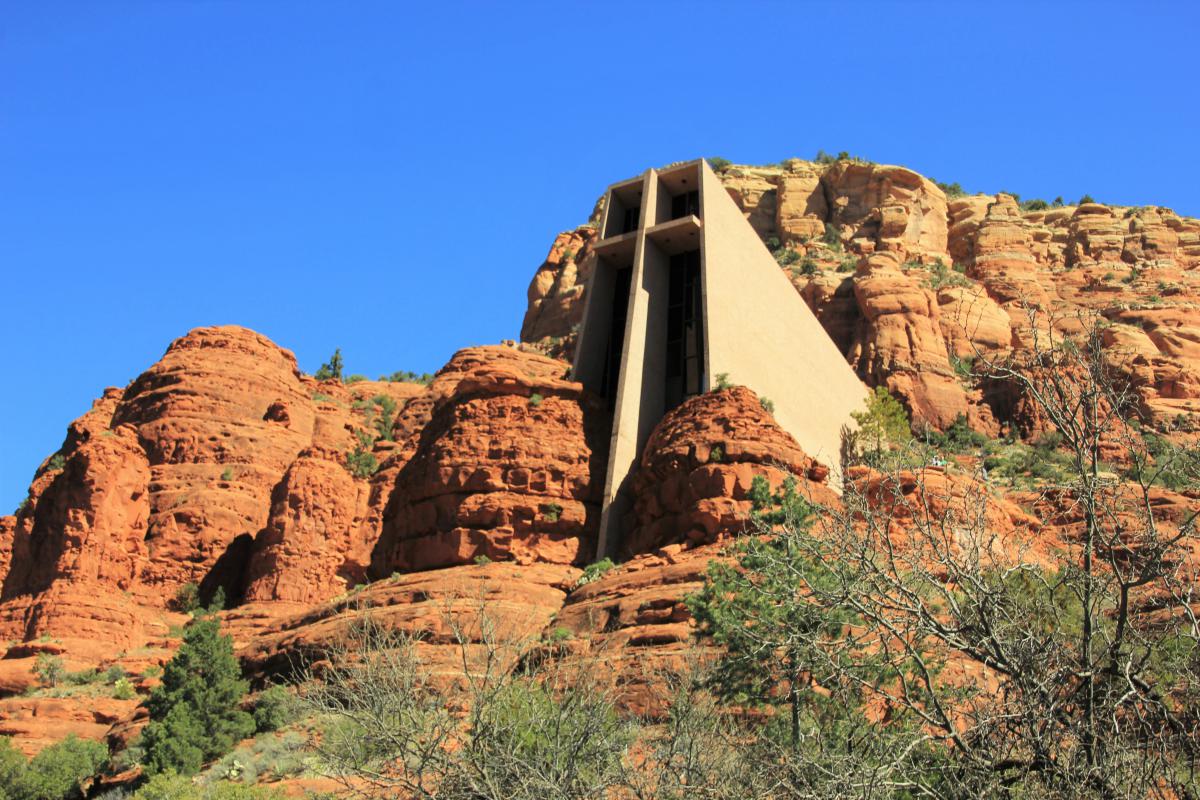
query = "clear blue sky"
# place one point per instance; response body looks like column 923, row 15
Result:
column 385, row 177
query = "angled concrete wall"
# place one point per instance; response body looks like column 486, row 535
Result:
column 757, row 329
column 760, row 332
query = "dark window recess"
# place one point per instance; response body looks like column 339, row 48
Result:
column 632, row 217
column 686, row 204
column 685, row 332
column 616, row 335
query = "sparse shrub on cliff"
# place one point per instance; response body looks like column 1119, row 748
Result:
column 404, row 376
column 716, row 455
column 786, row 256
column 360, row 461
column 380, row 412
column 123, row 690
column 959, row 438
column 718, row 164
column 941, row 275
column 723, row 381
column 847, row 264
column 355, row 378
column 1087, row 198
column 187, row 597
column 951, row 190
column 535, row 399
column 481, row 560
column 331, row 370
column 1037, row 204
column 832, row 237
column 767, row 404
column 57, row 463
column 49, row 670
column 595, row 571
column 195, row 712
column 227, row 474
column 550, row 511
column 809, row 267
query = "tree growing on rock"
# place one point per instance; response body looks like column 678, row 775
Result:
column 331, row 370
column 195, row 712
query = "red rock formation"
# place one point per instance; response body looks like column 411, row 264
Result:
column 444, row 607
column 1071, row 263
column 633, row 622
column 902, row 346
column 79, row 546
column 310, row 549
column 693, row 481
column 556, row 291
column 220, row 416
column 506, row 468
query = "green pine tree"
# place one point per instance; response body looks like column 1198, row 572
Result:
column 883, row 423
column 331, row 370
column 195, row 713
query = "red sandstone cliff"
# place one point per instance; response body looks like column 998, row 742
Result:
column 911, row 284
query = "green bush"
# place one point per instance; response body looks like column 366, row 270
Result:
column 355, row 378
column 187, row 597
column 49, row 670
column 593, row 572
column 195, row 712
column 227, row 474
column 951, row 190
column 960, row 438
column 832, row 237
column 274, row 708
column 718, row 163
column 1087, row 198
column 767, row 404
column 360, row 461
column 123, row 690
column 58, row 463
column 1035, row 205
column 482, row 559
column 786, row 256
column 551, row 511
column 12, row 768
column 172, row 786
column 535, row 399
column 59, row 772
column 723, row 381
column 404, row 376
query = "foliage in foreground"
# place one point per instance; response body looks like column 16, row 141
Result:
column 195, row 712
column 59, row 772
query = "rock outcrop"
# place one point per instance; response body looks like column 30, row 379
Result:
column 693, row 482
column 506, row 468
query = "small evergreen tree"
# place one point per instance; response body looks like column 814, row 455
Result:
column 775, row 638
column 884, row 422
column 331, row 370
column 195, row 712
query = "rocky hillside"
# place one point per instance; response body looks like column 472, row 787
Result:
column 915, row 284
column 224, row 468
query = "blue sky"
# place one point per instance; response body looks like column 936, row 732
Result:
column 385, row 177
